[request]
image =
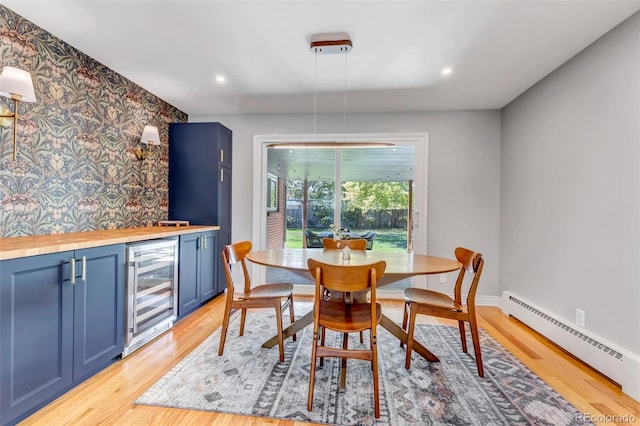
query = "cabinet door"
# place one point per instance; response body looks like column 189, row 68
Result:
column 209, row 258
column 188, row 288
column 224, row 215
column 193, row 161
column 224, row 146
column 98, row 309
column 224, row 204
column 36, row 332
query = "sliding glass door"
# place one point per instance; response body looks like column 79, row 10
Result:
column 379, row 193
column 366, row 192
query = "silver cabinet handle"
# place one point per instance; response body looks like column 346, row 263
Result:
column 73, row 271
column 84, row 268
column 222, row 155
column 204, row 242
column 221, row 175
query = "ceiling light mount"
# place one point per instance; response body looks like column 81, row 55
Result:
column 330, row 43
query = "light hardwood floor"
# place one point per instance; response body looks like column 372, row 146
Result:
column 107, row 398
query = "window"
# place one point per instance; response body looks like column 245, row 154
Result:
column 272, row 193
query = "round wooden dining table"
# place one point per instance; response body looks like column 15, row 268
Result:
column 399, row 266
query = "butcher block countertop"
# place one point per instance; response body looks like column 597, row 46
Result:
column 15, row 247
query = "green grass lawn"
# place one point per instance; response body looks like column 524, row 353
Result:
column 386, row 239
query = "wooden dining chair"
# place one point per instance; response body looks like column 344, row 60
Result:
column 274, row 295
column 345, row 317
column 354, row 244
column 428, row 302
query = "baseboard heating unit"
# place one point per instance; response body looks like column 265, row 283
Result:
column 611, row 360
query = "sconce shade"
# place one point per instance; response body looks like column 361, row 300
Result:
column 16, row 83
column 150, row 136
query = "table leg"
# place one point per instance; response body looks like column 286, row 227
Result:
column 397, row 331
column 298, row 325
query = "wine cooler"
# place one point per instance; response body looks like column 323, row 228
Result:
column 152, row 291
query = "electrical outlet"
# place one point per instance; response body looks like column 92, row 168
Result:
column 579, row 317
column 443, row 278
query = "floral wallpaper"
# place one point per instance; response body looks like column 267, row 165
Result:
column 76, row 169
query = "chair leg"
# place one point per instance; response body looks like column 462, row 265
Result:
column 243, row 317
column 376, row 385
column 476, row 345
column 412, row 326
column 292, row 317
column 463, row 336
column 225, row 327
column 312, row 370
column 343, row 366
column 279, row 325
column 405, row 316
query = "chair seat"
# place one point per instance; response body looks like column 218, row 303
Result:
column 433, row 298
column 268, row 291
column 347, row 317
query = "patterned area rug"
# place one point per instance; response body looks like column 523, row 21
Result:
column 249, row 380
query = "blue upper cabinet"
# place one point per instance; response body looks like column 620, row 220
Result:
column 224, row 146
column 200, row 156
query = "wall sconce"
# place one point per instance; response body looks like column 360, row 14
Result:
column 17, row 85
column 150, row 136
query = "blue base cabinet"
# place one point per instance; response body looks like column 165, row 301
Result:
column 200, row 180
column 98, row 333
column 197, row 271
column 61, row 320
column 36, row 333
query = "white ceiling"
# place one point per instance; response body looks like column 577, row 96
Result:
column 174, row 49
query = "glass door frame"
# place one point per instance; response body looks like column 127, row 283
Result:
column 420, row 141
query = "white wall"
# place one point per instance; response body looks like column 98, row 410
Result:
column 570, row 231
column 463, row 176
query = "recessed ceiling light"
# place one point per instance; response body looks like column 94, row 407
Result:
column 220, row 78
column 447, row 70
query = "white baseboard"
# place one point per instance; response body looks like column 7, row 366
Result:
column 615, row 362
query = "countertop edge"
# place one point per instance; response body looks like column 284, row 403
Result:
column 34, row 245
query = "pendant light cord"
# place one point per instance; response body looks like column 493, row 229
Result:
column 315, row 94
column 344, row 120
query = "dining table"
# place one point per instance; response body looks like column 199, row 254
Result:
column 400, row 265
